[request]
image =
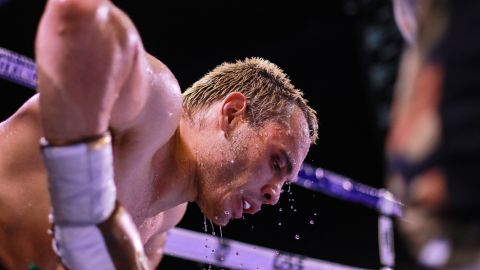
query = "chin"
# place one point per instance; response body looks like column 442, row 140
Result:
column 220, row 220
column 216, row 218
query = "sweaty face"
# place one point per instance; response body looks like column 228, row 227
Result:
column 249, row 168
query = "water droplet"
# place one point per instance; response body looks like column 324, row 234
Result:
column 221, row 234
column 252, row 226
column 205, row 229
column 294, row 210
column 236, row 253
column 279, row 224
column 232, row 161
column 216, row 217
column 297, row 236
column 291, row 207
column 314, row 214
column 227, row 213
column 206, row 246
column 312, row 222
column 280, row 210
column 213, row 250
column 241, row 265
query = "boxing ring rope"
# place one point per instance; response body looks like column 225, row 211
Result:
column 210, row 249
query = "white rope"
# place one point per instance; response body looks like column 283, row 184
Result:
column 209, row 249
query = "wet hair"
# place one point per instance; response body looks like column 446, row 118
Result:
column 269, row 92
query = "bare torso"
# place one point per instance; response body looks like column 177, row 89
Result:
column 24, row 199
column 93, row 75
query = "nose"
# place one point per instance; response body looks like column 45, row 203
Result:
column 271, row 194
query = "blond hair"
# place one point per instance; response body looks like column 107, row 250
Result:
column 269, row 92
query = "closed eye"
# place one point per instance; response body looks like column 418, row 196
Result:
column 276, row 164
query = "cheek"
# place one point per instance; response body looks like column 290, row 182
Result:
column 256, row 173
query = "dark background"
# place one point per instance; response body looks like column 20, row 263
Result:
column 323, row 48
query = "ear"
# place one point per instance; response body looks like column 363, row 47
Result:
column 232, row 110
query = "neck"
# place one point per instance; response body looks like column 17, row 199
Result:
column 173, row 173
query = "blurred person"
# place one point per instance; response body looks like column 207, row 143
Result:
column 434, row 142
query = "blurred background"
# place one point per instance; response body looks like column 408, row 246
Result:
column 342, row 53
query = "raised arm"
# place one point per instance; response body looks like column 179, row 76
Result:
column 88, row 54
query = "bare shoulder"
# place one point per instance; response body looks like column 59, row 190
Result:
column 161, row 106
column 173, row 216
column 19, row 141
column 24, row 201
column 19, row 137
column 156, row 242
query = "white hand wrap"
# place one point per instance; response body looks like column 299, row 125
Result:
column 80, row 180
column 83, row 194
column 82, row 248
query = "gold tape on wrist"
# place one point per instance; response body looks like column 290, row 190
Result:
column 94, row 142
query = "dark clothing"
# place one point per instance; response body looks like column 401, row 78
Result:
column 460, row 109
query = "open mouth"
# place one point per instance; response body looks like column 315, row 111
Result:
column 246, row 206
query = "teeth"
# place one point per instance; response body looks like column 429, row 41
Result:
column 246, row 205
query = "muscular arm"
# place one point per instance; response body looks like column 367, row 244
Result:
column 89, row 55
column 86, row 50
